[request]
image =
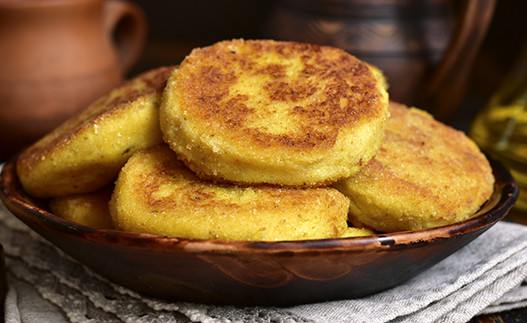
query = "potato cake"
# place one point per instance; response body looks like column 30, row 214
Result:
column 357, row 232
column 87, row 151
column 90, row 209
column 156, row 193
column 425, row 174
column 274, row 112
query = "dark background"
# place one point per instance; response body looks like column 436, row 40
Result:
column 175, row 27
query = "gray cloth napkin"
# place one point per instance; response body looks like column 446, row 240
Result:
column 48, row 286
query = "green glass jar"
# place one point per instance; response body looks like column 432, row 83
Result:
column 500, row 128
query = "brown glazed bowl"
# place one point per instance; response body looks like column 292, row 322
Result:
column 256, row 273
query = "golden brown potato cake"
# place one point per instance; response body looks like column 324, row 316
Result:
column 156, row 193
column 357, row 232
column 263, row 111
column 425, row 174
column 89, row 208
column 87, row 151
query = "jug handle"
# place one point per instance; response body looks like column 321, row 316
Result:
column 445, row 89
column 127, row 24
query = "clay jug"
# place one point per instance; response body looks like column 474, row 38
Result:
column 425, row 47
column 57, row 56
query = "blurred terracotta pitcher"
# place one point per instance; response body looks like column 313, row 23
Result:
column 57, row 56
column 424, row 47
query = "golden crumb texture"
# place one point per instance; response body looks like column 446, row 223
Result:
column 89, row 209
column 156, row 193
column 274, row 112
column 425, row 174
column 87, row 151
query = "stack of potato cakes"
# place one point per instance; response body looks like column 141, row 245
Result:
column 257, row 140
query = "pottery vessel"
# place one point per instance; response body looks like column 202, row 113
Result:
column 425, row 48
column 57, row 57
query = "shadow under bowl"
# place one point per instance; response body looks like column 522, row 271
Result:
column 256, row 273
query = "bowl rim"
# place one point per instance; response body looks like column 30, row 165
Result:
column 502, row 199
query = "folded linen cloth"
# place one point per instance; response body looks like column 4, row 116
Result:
column 45, row 285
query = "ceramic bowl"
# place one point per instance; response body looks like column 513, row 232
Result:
column 256, row 273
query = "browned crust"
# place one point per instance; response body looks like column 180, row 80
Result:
column 195, row 193
column 445, row 168
column 152, row 82
column 347, row 91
